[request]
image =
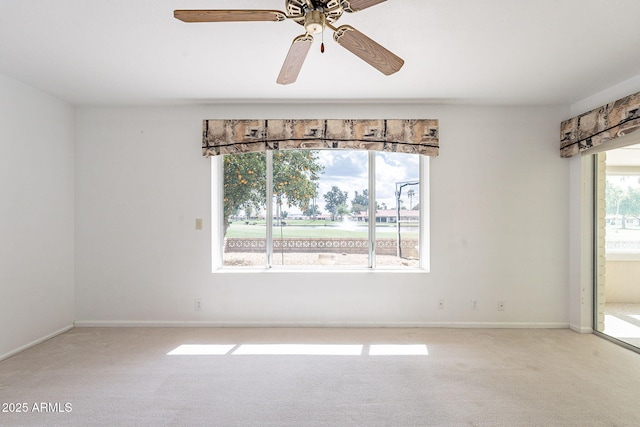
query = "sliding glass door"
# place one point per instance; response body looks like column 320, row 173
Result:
column 617, row 244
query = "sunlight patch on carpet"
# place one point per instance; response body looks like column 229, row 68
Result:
column 299, row 350
column 201, row 350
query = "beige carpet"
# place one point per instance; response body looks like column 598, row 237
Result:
column 322, row 377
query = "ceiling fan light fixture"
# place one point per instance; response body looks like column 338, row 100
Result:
column 314, row 22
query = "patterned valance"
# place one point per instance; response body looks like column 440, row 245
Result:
column 242, row 136
column 598, row 126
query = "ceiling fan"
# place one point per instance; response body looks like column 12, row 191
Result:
column 314, row 16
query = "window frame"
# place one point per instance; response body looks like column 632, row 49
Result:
column 217, row 214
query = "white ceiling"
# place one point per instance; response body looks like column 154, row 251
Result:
column 478, row 51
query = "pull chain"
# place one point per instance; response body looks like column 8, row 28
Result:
column 322, row 44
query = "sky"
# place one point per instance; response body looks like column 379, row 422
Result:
column 348, row 169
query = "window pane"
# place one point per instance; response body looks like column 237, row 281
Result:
column 244, row 218
column 314, row 221
column 622, row 214
column 398, row 210
column 318, row 214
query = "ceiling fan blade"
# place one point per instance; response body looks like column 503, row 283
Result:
column 230, row 15
column 357, row 5
column 294, row 60
column 368, row 50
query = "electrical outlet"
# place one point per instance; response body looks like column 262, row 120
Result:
column 198, row 223
column 474, row 304
column 500, row 305
column 441, row 304
column 198, row 304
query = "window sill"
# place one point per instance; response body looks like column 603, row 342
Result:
column 623, row 256
column 307, row 270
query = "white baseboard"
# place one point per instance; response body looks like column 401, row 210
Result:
column 36, row 342
column 581, row 329
column 256, row 324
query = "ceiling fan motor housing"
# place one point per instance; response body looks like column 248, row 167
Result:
column 330, row 10
column 314, row 22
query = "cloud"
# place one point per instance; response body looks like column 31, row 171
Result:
column 344, row 163
column 348, row 170
column 392, row 168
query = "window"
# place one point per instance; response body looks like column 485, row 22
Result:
column 622, row 201
column 313, row 208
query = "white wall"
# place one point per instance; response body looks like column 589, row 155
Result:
column 36, row 216
column 622, row 280
column 499, row 225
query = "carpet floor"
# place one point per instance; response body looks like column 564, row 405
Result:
column 321, row 377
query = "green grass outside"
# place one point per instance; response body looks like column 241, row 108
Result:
column 321, row 230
